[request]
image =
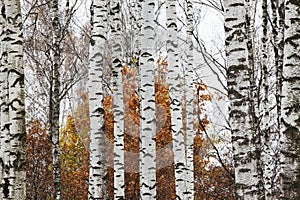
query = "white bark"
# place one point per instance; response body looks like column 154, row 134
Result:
column 6, row 190
column 290, row 127
column 4, row 132
column 98, row 167
column 136, row 7
column 240, row 111
column 119, row 176
column 254, row 104
column 278, row 12
column 190, row 104
column 148, row 122
column 137, row 52
column 174, row 82
column 13, row 135
column 54, row 108
column 265, row 108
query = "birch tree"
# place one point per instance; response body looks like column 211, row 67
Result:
column 3, row 101
column 12, row 110
column 190, row 103
column 174, row 82
column 4, row 115
column 148, row 122
column 266, row 127
column 278, row 16
column 290, row 127
column 98, row 167
column 119, row 176
column 136, row 7
column 240, row 112
column 254, row 92
column 38, row 48
column 54, row 103
column 53, row 63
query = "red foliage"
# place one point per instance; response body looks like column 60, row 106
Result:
column 39, row 161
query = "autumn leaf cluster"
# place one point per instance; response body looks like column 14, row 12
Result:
column 74, row 162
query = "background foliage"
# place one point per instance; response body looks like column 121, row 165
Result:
column 211, row 180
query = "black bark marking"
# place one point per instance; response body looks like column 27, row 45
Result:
column 5, row 187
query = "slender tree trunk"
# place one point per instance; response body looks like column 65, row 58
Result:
column 267, row 159
column 240, row 109
column 278, row 15
column 98, row 159
column 174, row 82
column 13, row 134
column 254, row 103
column 136, row 7
column 279, row 74
column 190, row 104
column 54, row 110
column 290, row 129
column 279, row 42
column 148, row 121
column 119, row 176
column 4, row 120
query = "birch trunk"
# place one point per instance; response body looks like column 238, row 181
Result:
column 2, row 94
column 254, row 103
column 239, row 92
column 266, row 129
column 290, row 127
column 4, row 108
column 174, row 82
column 148, row 121
column 278, row 15
column 281, row 45
column 119, row 176
column 189, row 104
column 98, row 160
column 54, row 108
column 280, row 55
column 13, row 134
column 136, row 7
column 137, row 52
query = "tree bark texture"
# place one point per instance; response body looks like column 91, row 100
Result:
column 117, row 55
column 240, row 109
column 148, row 121
column 54, row 108
column 175, row 90
column 12, row 109
column 267, row 160
column 98, row 159
column 190, row 131
column 290, row 121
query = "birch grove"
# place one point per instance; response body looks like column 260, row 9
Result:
column 279, row 170
column 165, row 99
